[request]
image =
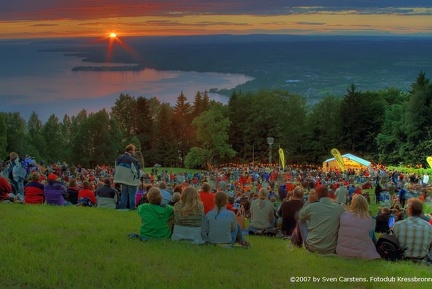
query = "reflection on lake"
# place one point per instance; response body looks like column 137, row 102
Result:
column 43, row 82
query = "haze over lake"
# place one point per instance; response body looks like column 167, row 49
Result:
column 37, row 75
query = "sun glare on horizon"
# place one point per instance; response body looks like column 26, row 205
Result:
column 113, row 35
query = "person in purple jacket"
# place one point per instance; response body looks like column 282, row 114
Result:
column 55, row 192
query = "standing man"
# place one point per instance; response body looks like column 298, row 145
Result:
column 425, row 180
column 341, row 194
column 16, row 175
column 127, row 172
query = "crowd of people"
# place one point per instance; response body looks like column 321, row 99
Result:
column 324, row 212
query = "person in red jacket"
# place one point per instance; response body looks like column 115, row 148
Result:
column 5, row 190
column 86, row 193
column 34, row 190
column 207, row 197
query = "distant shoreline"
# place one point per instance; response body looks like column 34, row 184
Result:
column 108, row 68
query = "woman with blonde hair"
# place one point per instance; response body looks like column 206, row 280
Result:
column 188, row 217
column 354, row 232
column 220, row 225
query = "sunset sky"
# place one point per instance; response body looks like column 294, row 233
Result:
column 95, row 18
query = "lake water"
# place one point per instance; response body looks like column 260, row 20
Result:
column 31, row 80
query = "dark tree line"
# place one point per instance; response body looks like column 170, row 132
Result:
column 387, row 126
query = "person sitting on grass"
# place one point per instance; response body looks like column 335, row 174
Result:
column 139, row 193
column 6, row 191
column 55, row 193
column 262, row 213
column 356, row 227
column 319, row 223
column 220, row 225
column 34, row 190
column 73, row 191
column 188, row 217
column 289, row 209
column 207, row 197
column 155, row 217
column 175, row 198
column 415, row 234
column 382, row 220
column 86, row 197
column 107, row 196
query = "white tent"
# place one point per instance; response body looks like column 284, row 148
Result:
column 351, row 162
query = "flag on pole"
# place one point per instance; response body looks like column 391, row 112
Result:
column 429, row 160
column 282, row 157
column 338, row 158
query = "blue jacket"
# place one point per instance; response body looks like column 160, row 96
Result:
column 127, row 170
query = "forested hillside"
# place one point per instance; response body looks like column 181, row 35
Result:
column 386, row 126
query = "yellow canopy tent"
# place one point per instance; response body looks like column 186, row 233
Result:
column 351, row 162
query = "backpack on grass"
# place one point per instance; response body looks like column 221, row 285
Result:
column 388, row 247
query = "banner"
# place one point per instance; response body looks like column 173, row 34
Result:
column 429, row 160
column 338, row 158
column 282, row 158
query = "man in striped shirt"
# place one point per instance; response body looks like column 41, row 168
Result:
column 414, row 233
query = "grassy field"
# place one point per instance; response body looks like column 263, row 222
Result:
column 75, row 247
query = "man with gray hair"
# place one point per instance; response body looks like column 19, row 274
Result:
column 127, row 173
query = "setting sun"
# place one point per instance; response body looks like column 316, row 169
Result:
column 113, row 35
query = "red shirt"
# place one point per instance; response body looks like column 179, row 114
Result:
column 89, row 194
column 208, row 200
column 231, row 207
column 34, row 193
column 358, row 191
column 5, row 189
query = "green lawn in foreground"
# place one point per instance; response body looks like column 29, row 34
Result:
column 75, row 247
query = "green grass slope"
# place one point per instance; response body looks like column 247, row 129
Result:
column 81, row 248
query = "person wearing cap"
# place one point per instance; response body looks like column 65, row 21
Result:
column 127, row 173
column 55, row 193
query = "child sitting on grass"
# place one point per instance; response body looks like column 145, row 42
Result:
column 156, row 218
column 220, row 226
